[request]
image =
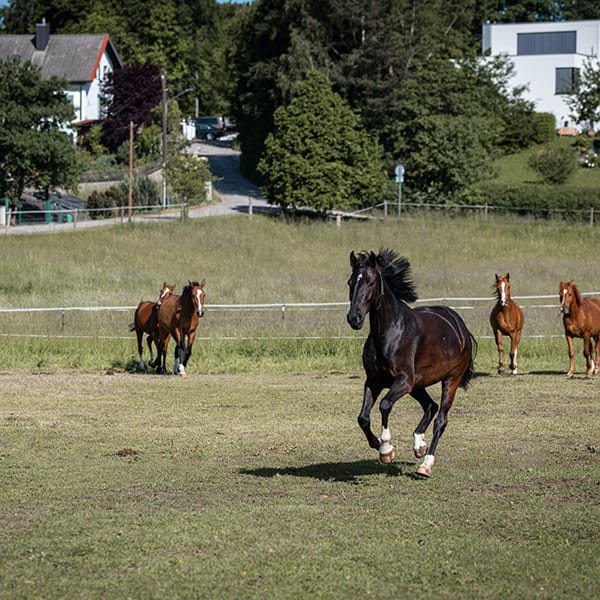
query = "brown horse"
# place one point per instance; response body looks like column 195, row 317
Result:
column 178, row 316
column 581, row 318
column 506, row 318
column 146, row 321
column 407, row 350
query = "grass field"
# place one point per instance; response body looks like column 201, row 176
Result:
column 250, row 478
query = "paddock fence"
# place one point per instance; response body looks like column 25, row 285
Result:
column 267, row 321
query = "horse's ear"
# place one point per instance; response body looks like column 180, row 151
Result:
column 497, row 278
column 373, row 259
column 571, row 282
column 203, row 282
column 165, row 283
column 189, row 282
column 352, row 259
column 508, row 276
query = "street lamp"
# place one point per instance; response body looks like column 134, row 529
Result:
column 163, row 80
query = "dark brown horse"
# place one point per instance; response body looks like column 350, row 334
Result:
column 178, row 317
column 146, row 321
column 581, row 318
column 407, row 350
column 506, row 319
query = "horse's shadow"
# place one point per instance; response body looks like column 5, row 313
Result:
column 338, row 471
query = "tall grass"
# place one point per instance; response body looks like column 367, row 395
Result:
column 268, row 260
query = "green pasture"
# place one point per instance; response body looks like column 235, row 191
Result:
column 250, row 478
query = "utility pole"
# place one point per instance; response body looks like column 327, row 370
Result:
column 130, row 167
column 163, row 80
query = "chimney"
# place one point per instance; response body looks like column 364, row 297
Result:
column 42, row 35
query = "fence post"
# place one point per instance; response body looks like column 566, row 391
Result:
column 249, row 207
column 338, row 220
column 385, row 209
column 485, row 211
column 592, row 216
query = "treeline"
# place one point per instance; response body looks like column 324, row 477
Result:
column 410, row 71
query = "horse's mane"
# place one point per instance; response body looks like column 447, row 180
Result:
column 187, row 290
column 396, row 272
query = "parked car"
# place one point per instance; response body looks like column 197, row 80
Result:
column 216, row 122
column 204, row 131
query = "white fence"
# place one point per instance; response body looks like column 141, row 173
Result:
column 277, row 320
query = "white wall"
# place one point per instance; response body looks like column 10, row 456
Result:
column 539, row 71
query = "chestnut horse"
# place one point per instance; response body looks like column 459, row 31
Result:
column 407, row 350
column 506, row 318
column 146, row 321
column 178, row 316
column 581, row 318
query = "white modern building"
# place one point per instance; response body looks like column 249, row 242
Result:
column 547, row 58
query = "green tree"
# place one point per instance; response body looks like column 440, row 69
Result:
column 35, row 150
column 187, row 177
column 317, row 155
column 584, row 102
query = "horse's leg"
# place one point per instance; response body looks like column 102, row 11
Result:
column 188, row 349
column 371, row 392
column 178, row 368
column 500, row 351
column 149, row 339
column 587, row 342
column 140, row 335
column 429, row 410
column 449, row 387
column 514, row 344
column 398, row 389
column 571, row 356
column 596, row 339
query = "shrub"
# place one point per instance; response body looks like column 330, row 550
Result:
column 555, row 164
column 545, row 127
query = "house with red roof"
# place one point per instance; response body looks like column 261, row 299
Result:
column 82, row 59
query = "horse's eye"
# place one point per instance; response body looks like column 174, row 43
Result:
column 371, row 283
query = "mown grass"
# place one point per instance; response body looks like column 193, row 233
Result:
column 250, row 478
column 261, row 485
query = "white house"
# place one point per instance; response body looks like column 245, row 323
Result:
column 547, row 57
column 82, row 59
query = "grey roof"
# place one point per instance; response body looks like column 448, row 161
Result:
column 73, row 56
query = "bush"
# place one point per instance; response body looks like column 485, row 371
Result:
column 537, row 198
column 544, row 125
column 555, row 164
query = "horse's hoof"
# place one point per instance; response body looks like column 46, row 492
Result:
column 424, row 471
column 569, row 375
column 501, row 371
column 514, row 372
column 386, row 459
column 420, row 452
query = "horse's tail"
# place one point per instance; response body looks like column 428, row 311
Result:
column 132, row 326
column 468, row 374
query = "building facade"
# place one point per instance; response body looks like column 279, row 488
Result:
column 83, row 60
column 548, row 58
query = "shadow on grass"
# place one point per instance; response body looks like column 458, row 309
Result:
column 339, row 471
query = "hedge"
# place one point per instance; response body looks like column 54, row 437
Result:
column 536, row 198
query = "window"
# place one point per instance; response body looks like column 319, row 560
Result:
column 555, row 42
column 566, row 80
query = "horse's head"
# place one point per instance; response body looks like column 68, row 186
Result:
column 567, row 295
column 198, row 296
column 167, row 290
column 366, row 287
column 503, row 289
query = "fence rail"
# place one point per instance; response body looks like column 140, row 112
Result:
column 272, row 320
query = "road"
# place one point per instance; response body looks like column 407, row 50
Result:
column 234, row 191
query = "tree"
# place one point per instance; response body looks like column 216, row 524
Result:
column 35, row 149
column 317, row 155
column 187, row 176
column 584, row 101
column 129, row 95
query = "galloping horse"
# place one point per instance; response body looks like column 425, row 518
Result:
column 146, row 321
column 506, row 318
column 407, row 350
column 581, row 318
column 178, row 316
